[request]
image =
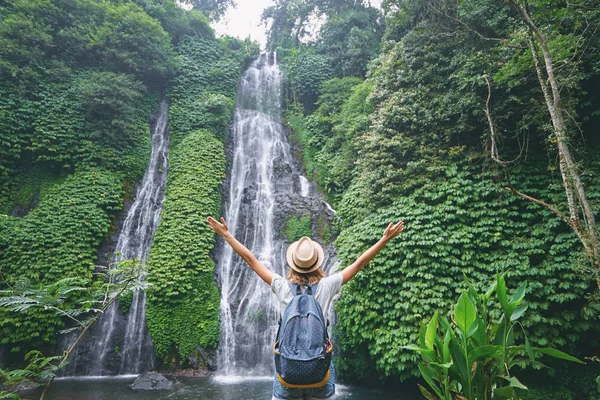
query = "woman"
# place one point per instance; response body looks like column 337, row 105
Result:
column 305, row 258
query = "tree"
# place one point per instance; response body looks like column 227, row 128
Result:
column 581, row 215
column 213, row 9
column 350, row 39
column 287, row 22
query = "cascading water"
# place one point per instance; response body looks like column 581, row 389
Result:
column 266, row 188
column 119, row 343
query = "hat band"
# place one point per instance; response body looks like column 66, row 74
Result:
column 309, row 267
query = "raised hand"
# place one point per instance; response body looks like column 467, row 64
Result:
column 393, row 230
column 220, row 228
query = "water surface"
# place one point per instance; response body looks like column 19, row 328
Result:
column 231, row 388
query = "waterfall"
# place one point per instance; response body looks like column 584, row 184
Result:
column 265, row 189
column 304, row 186
column 119, row 343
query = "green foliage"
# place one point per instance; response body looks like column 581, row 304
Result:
column 59, row 238
column 28, row 189
column 10, row 396
column 350, row 39
column 95, row 34
column 74, row 298
column 305, row 71
column 183, row 308
column 125, row 302
column 561, row 381
column 295, row 228
column 183, row 311
column 458, row 222
column 213, row 9
column 77, row 81
column 287, row 20
column 473, row 356
column 412, row 145
column 97, row 120
column 206, row 85
column 327, row 135
column 176, row 21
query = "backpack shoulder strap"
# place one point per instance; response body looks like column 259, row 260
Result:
column 311, row 289
column 295, row 289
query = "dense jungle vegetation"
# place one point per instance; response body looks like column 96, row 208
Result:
column 438, row 113
column 458, row 117
column 79, row 79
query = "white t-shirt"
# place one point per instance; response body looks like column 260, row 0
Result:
column 326, row 291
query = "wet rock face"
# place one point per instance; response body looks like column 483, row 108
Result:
column 203, row 360
column 151, row 381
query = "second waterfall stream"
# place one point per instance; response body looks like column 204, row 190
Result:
column 265, row 190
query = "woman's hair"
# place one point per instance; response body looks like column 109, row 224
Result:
column 310, row 278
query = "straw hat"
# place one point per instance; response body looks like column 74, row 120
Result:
column 305, row 255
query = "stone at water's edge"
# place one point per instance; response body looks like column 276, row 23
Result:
column 22, row 387
column 151, row 381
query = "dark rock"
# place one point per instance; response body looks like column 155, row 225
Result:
column 204, row 359
column 22, row 387
column 151, row 381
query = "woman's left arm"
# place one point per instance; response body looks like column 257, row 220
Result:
column 390, row 232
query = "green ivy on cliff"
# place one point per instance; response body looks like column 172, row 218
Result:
column 183, row 312
column 59, row 238
column 460, row 223
column 204, row 89
column 183, row 307
column 412, row 143
column 78, row 79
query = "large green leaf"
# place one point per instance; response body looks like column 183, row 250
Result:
column 519, row 294
column 446, row 347
column 557, row 354
column 460, row 361
column 485, row 351
column 501, row 290
column 426, row 393
column 464, row 314
column 529, row 349
column 516, row 300
column 514, row 382
column 490, row 290
column 413, row 347
column 519, row 311
column 431, row 331
column 430, row 376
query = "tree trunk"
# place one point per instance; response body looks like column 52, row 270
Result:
column 575, row 192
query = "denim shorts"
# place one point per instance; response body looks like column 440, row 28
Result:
column 325, row 392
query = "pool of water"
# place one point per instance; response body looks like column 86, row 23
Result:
column 231, row 388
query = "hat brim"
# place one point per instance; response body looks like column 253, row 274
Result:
column 290, row 260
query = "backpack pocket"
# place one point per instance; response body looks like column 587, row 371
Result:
column 304, row 374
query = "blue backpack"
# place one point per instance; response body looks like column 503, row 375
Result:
column 303, row 350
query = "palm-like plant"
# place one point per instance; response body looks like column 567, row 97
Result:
column 470, row 358
column 78, row 302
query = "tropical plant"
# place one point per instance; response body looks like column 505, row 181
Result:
column 91, row 302
column 472, row 356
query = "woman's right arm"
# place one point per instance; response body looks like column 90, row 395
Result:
column 390, row 232
column 222, row 230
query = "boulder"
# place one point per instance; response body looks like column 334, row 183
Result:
column 151, row 381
